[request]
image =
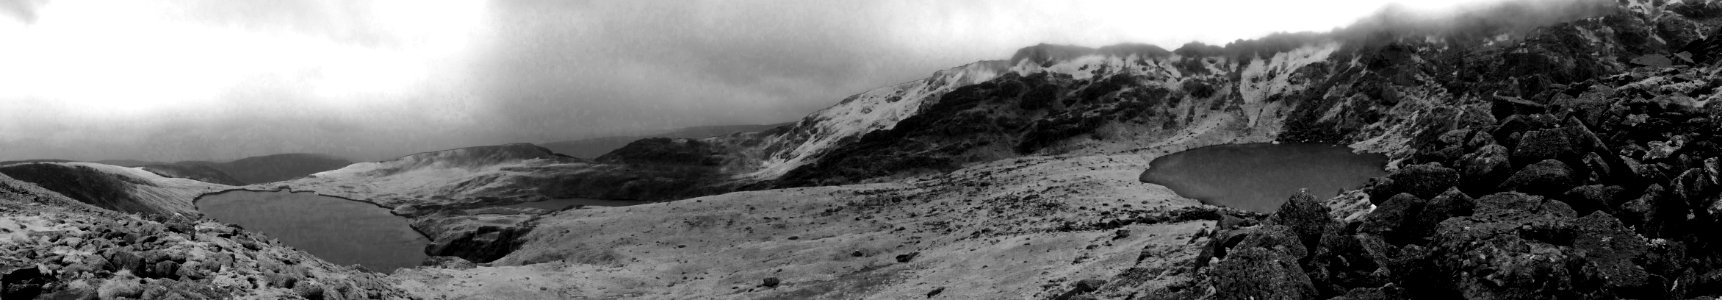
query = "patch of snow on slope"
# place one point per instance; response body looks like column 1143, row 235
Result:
column 1080, row 68
column 1262, row 79
column 878, row 109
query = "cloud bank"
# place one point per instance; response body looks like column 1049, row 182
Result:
column 224, row 79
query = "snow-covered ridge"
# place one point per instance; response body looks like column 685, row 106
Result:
column 883, row 108
column 878, row 109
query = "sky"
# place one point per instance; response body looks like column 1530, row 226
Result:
column 225, row 79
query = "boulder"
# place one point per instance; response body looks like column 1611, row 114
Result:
column 1421, row 180
column 1279, row 238
column 1392, row 219
column 1545, row 178
column 1305, row 216
column 1344, row 260
column 1591, row 198
column 1260, row 274
column 1080, row 287
column 1484, row 170
column 1611, row 252
column 121, row 260
column 1655, row 213
column 1697, row 188
column 907, row 257
column 1538, row 145
column 23, row 283
column 1450, row 204
column 1511, row 248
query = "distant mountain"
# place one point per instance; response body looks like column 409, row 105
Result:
column 498, row 174
column 250, row 170
column 194, row 171
column 278, row 167
column 594, row 147
column 26, row 161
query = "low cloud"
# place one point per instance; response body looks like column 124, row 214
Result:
column 224, row 79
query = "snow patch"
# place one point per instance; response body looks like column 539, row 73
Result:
column 1263, row 79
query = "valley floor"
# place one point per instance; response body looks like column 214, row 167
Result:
column 1018, row 228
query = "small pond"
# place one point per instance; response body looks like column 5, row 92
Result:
column 338, row 230
column 1260, row 177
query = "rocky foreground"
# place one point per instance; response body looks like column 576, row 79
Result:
column 55, row 247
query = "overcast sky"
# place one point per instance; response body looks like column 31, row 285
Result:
column 225, row 79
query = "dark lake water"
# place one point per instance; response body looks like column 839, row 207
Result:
column 338, row 230
column 1260, row 177
column 555, row 204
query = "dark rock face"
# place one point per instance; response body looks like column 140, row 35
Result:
column 475, row 238
column 485, row 245
column 667, row 151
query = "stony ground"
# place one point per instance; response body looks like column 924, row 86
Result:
column 1019, row 228
column 56, row 247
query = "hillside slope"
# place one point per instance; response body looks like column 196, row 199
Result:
column 115, row 188
column 279, row 167
column 502, row 174
column 594, row 147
